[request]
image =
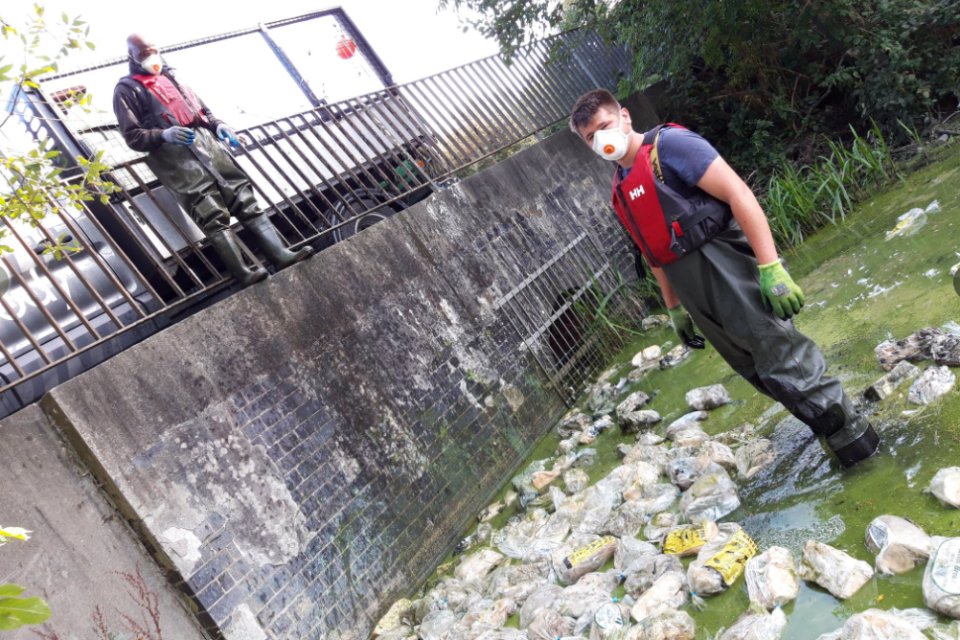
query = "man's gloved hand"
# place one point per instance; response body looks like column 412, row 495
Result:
column 683, row 325
column 178, row 135
column 780, row 293
column 226, row 133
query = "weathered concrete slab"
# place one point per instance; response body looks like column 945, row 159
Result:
column 80, row 548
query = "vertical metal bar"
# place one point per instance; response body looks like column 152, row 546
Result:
column 482, row 110
column 405, row 122
column 378, row 161
column 348, row 167
column 13, row 361
column 376, row 114
column 548, row 82
column 368, row 116
column 463, row 154
column 466, row 130
column 431, row 132
column 336, row 122
column 535, row 83
column 23, row 329
column 42, row 309
column 515, row 87
column 505, row 97
column 567, row 91
column 500, row 111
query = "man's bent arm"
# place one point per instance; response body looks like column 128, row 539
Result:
column 723, row 183
column 669, row 295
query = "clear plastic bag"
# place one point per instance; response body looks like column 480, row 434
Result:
column 945, row 486
column 668, row 591
column 477, row 565
column 899, row 544
column 667, row 624
column 628, row 551
column 575, row 480
column 547, row 624
column 772, row 578
column 711, row 497
column 546, row 597
column 437, row 624
column 721, row 561
column 645, row 571
column 757, row 624
column 570, row 565
column 941, row 579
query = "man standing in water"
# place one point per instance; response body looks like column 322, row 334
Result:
column 707, row 240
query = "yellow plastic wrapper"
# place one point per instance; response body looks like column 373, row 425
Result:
column 732, row 559
column 687, row 541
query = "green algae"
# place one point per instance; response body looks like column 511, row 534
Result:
column 806, row 490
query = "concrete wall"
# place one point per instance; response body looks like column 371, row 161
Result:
column 306, row 451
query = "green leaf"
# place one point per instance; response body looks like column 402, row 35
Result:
column 91, row 46
column 16, row 612
column 10, row 590
column 66, row 19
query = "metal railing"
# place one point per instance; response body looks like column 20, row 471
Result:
column 322, row 174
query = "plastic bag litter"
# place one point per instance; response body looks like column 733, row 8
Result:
column 651, row 322
column 666, row 624
column 625, row 522
column 833, row 569
column 646, row 570
column 523, row 481
column 657, row 497
column 689, row 539
column 512, row 540
column 492, row 616
column 711, row 497
column 899, row 544
column 945, row 485
column 594, row 520
column 772, row 578
column 941, row 579
column 585, row 458
column 660, row 525
column 571, row 565
column 575, row 480
column 719, row 453
column 633, row 402
column 540, row 479
column 690, row 437
column 482, row 534
column 684, row 421
column 437, row 624
column 913, row 348
column 636, row 421
column 675, row 356
column 874, row 624
column 603, row 398
column 477, row 565
column 579, row 600
column 656, row 456
column 757, row 624
column 912, row 221
column 574, row 424
column 934, row 383
column 752, row 457
column 646, row 357
column 706, row 398
column 649, row 438
column 721, row 561
column 608, row 622
column 629, row 551
column 683, row 452
column 945, row 350
column 683, row 472
column 922, row 619
column 547, row 624
column 606, row 580
column 668, row 591
column 402, row 632
column 887, row 384
column 945, row 631
column 546, row 597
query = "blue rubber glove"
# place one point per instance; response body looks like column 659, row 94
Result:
column 224, row 132
column 178, row 135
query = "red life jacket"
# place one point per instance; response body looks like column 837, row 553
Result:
column 664, row 224
column 184, row 107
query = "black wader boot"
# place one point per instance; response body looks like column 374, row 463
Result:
column 719, row 285
column 225, row 244
column 271, row 245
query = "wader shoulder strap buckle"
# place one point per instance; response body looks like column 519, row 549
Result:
column 655, row 155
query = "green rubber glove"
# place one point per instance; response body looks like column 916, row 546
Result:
column 780, row 293
column 683, row 324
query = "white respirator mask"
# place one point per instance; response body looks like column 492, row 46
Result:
column 611, row 144
column 153, row 64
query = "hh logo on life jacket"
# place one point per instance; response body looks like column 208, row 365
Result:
column 636, row 193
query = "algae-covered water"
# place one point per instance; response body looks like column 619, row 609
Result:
column 860, row 289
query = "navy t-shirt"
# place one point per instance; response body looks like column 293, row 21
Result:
column 684, row 158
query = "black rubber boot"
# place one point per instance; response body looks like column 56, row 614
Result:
column 271, row 245
column 225, row 244
column 860, row 449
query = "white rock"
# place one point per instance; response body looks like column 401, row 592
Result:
column 933, row 384
column 834, row 570
column 772, row 578
column 946, row 486
column 705, row 398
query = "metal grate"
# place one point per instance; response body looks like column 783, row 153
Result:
column 562, row 310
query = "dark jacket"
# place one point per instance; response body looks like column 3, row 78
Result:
column 138, row 112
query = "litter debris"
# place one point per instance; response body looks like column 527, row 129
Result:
column 706, row 398
column 651, row 322
column 945, row 485
column 675, row 356
column 886, row 385
column 571, row 565
column 934, row 383
column 645, row 357
column 912, row 221
column 667, row 592
column 752, row 457
column 689, row 540
column 941, row 580
column 772, row 578
column 667, row 624
column 711, row 497
column 913, row 348
column 757, row 624
column 721, row 561
column 634, row 421
column 684, row 421
column 633, row 402
column 899, row 544
column 833, row 569
column 603, row 399
column 945, row 350
column 874, row 624
column 931, row 273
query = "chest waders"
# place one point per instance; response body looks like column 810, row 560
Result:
column 208, row 183
column 714, row 272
